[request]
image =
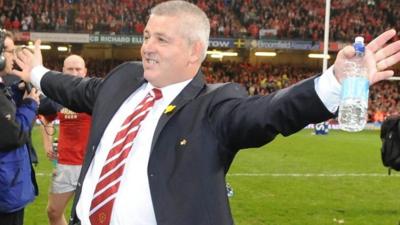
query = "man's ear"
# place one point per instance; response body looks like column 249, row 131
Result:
column 197, row 52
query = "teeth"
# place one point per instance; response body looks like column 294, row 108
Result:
column 151, row 61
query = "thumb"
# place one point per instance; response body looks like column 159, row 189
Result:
column 348, row 52
column 38, row 60
column 38, row 42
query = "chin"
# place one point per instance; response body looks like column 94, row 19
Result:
column 149, row 76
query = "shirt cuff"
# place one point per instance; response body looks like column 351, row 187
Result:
column 37, row 74
column 328, row 90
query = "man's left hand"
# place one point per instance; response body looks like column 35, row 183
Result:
column 378, row 58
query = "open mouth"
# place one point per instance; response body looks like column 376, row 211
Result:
column 151, row 61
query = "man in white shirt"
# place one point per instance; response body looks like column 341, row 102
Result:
column 173, row 172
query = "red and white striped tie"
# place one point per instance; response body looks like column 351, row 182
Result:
column 110, row 177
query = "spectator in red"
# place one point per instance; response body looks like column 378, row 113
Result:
column 74, row 132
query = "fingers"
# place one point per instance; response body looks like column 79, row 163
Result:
column 21, row 60
column 387, row 56
column 34, row 94
column 387, row 51
column 37, row 59
column 37, row 48
column 24, row 55
column 381, row 40
column 23, row 73
column 20, row 63
column 383, row 56
column 49, row 155
column 388, row 62
column 20, row 74
column 24, row 60
column 382, row 76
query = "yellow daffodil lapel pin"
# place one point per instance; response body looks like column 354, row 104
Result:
column 169, row 109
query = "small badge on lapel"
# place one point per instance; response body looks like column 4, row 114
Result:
column 183, row 142
column 169, row 109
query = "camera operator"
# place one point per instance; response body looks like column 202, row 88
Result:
column 17, row 114
column 18, row 88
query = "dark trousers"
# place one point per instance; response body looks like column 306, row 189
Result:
column 14, row 218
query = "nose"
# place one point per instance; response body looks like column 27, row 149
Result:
column 148, row 46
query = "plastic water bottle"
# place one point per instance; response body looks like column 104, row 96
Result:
column 355, row 89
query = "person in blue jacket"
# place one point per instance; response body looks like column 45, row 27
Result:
column 17, row 179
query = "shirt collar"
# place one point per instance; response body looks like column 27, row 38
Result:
column 171, row 91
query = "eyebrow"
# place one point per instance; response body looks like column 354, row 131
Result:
column 156, row 34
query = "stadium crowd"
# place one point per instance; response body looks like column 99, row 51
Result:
column 289, row 19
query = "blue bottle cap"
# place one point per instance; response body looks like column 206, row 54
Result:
column 359, row 46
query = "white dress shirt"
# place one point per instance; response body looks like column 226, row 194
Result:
column 134, row 190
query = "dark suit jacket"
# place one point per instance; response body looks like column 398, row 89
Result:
column 194, row 145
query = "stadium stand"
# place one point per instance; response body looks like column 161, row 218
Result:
column 289, row 19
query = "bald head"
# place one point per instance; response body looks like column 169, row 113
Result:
column 75, row 65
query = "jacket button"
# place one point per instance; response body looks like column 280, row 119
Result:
column 151, row 174
column 78, row 184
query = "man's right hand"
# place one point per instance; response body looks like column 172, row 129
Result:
column 27, row 61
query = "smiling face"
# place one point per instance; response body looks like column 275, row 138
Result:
column 168, row 56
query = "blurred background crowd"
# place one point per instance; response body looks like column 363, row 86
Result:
column 258, row 19
column 289, row 19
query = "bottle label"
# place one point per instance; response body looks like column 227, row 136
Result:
column 355, row 87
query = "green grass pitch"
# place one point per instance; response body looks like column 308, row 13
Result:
column 303, row 179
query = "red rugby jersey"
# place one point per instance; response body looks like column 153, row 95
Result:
column 73, row 136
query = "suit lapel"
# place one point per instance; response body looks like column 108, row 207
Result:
column 186, row 95
column 112, row 98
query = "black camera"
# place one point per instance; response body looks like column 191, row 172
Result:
column 28, row 87
column 25, row 86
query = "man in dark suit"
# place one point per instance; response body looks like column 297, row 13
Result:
column 185, row 133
